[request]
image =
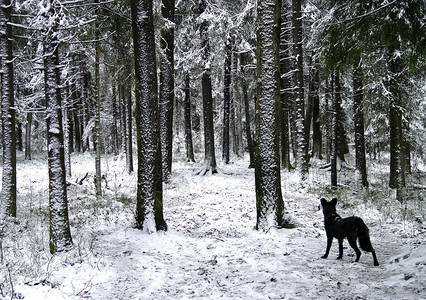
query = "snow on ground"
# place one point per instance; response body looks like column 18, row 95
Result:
column 210, row 251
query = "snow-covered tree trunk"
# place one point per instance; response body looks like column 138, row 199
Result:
column 98, row 175
column 60, row 234
column 358, row 106
column 28, row 136
column 206, row 86
column 129, row 118
column 247, row 127
column 8, row 192
column 226, row 101
column 269, row 201
column 397, row 160
column 335, row 128
column 167, row 82
column 149, row 207
column 299, row 94
column 316, row 122
column 189, row 148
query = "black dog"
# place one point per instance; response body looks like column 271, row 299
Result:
column 351, row 228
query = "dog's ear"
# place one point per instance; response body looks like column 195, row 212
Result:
column 334, row 201
column 323, row 201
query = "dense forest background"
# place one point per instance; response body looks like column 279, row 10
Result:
column 295, row 86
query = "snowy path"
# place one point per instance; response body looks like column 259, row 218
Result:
column 211, row 252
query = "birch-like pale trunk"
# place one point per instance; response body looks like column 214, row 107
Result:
column 8, row 192
column 269, row 201
column 149, row 207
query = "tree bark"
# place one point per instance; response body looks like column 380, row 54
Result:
column 98, row 175
column 206, row 86
column 269, row 201
column 28, row 136
column 167, row 82
column 247, row 128
column 188, row 124
column 286, row 85
column 299, row 94
column 129, row 154
column 335, row 128
column 60, row 234
column 8, row 192
column 358, row 107
column 316, row 124
column 397, row 158
column 149, row 207
column 226, row 101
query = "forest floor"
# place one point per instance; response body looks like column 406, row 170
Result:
column 211, row 250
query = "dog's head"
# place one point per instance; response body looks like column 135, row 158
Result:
column 328, row 207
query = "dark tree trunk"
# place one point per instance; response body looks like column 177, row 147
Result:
column 98, row 175
column 316, row 124
column 19, row 141
column 309, row 109
column 149, row 207
column 123, row 120
column 206, row 86
column 188, row 127
column 167, row 82
column 244, row 86
column 28, row 136
column 129, row 156
column 226, row 101
column 269, row 201
column 286, row 85
column 60, row 234
column 8, row 192
column 358, row 105
column 397, row 160
column 115, row 114
column 328, row 118
column 335, row 128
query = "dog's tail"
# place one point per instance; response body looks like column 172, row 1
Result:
column 364, row 236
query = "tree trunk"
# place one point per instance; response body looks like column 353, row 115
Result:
column 358, row 106
column 60, row 234
column 115, row 114
column 316, row 125
column 129, row 154
column 286, row 85
column 299, row 94
column 28, row 136
column 206, row 85
column 188, row 127
column 98, row 175
column 149, row 207
column 226, row 101
column 167, row 82
column 8, row 192
column 335, row 129
column 269, row 201
column 244, row 86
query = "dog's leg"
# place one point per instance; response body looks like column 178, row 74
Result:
column 329, row 242
column 376, row 263
column 352, row 242
column 340, row 249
